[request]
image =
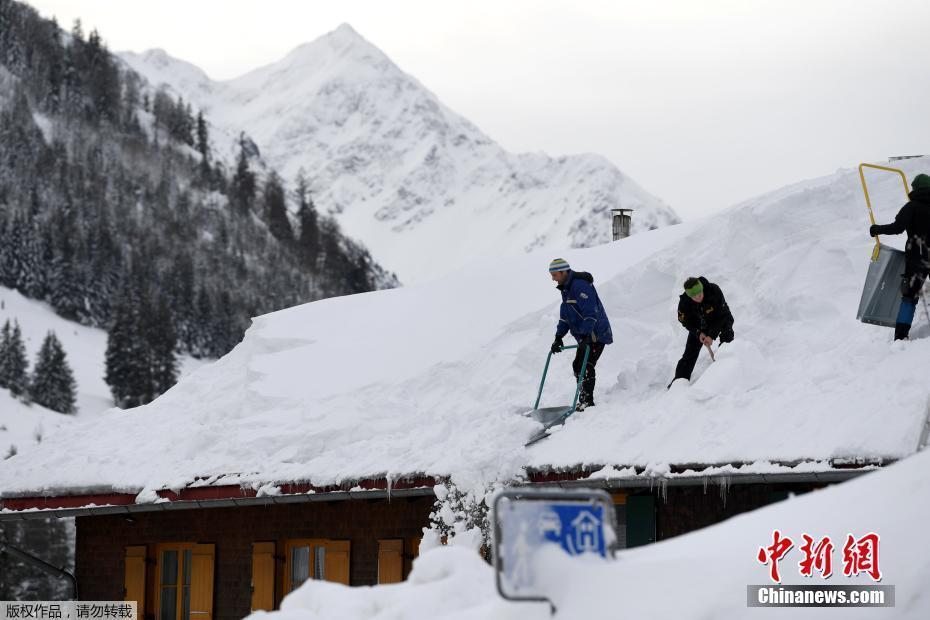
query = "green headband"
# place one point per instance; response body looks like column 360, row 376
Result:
column 695, row 290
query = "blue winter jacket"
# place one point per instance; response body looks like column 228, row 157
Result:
column 581, row 312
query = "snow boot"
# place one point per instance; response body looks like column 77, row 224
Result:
column 901, row 330
column 585, row 401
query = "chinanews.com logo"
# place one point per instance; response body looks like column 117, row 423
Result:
column 860, row 556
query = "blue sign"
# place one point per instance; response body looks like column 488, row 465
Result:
column 577, row 528
column 524, row 522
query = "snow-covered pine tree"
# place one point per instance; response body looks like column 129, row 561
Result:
column 276, row 208
column 141, row 356
column 243, row 184
column 4, row 346
column 308, row 239
column 53, row 383
column 125, row 360
column 74, row 208
column 161, row 342
column 13, row 363
column 203, row 147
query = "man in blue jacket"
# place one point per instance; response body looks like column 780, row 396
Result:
column 583, row 315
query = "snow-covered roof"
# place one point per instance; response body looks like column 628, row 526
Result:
column 432, row 379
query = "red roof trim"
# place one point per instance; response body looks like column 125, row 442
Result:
column 206, row 493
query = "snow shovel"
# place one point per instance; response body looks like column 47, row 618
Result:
column 881, row 294
column 554, row 416
column 711, row 351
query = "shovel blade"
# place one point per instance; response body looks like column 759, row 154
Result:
column 547, row 416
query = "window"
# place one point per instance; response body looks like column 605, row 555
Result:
column 185, row 582
column 315, row 559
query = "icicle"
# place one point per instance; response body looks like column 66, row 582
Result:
column 724, row 482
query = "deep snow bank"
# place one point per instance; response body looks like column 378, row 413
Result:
column 699, row 575
column 431, row 378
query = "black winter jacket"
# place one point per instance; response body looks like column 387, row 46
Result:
column 709, row 317
column 914, row 217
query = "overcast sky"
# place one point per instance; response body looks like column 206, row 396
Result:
column 703, row 103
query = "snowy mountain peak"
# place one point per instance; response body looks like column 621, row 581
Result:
column 418, row 184
column 345, row 34
column 343, row 52
column 164, row 69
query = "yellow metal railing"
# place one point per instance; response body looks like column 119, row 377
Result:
column 868, row 201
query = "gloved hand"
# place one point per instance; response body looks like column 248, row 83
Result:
column 557, row 345
column 584, row 340
column 873, row 232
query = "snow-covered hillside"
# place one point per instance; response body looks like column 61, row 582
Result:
column 24, row 426
column 425, row 190
column 706, row 571
column 432, row 378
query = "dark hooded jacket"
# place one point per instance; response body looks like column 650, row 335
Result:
column 581, row 311
column 914, row 217
column 709, row 317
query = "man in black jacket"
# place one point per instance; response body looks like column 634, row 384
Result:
column 704, row 312
column 914, row 217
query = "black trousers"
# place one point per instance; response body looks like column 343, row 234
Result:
column 693, row 350
column 587, row 386
column 915, row 273
column 913, row 281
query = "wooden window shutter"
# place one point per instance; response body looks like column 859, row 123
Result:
column 336, row 562
column 134, row 585
column 202, row 582
column 391, row 561
column 263, row 569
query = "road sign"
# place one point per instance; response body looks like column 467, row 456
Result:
column 527, row 521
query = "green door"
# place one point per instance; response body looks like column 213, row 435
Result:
column 640, row 520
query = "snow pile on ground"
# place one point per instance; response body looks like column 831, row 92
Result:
column 424, row 189
column 25, row 426
column 432, row 378
column 699, row 575
column 452, row 582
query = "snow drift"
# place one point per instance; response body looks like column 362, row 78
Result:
column 432, row 378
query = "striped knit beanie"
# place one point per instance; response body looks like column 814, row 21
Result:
column 559, row 264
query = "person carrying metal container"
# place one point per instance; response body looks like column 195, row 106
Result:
column 914, row 218
column 583, row 314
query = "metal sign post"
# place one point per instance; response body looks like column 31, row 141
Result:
column 527, row 521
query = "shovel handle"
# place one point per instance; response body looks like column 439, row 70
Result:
column 546, row 369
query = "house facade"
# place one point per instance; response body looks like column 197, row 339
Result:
column 223, row 552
